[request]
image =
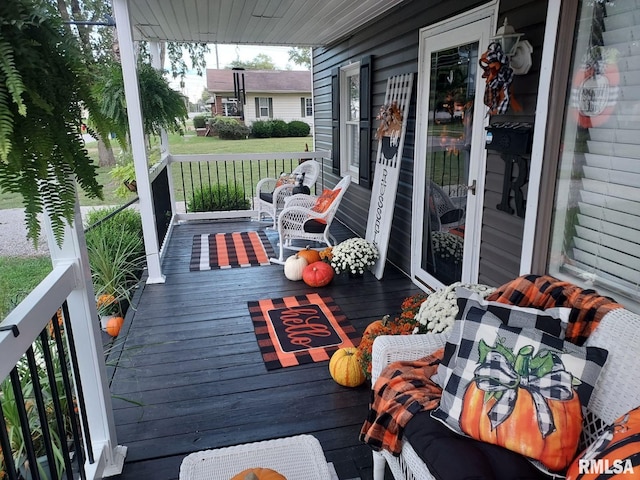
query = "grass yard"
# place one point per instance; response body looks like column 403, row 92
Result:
column 188, row 144
column 18, row 276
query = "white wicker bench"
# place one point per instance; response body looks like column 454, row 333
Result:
column 617, row 390
column 297, row 458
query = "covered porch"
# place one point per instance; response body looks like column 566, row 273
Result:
column 189, row 357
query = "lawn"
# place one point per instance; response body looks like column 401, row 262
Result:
column 188, row 144
column 18, row 276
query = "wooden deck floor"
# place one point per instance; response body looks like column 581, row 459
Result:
column 189, row 357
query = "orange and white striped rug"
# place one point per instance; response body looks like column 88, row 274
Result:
column 300, row 329
column 228, row 250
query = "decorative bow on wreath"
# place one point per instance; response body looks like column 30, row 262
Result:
column 498, row 377
column 495, row 64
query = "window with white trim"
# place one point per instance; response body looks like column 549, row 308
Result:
column 595, row 235
column 264, row 106
column 350, row 120
column 308, row 107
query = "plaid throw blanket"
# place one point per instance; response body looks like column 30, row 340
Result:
column 405, row 388
column 543, row 291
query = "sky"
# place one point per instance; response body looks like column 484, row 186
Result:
column 194, row 84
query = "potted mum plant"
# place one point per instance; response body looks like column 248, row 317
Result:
column 354, row 256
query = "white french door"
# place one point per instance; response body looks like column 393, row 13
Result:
column 450, row 158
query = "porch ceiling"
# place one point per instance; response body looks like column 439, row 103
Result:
column 254, row 22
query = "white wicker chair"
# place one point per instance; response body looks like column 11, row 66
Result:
column 270, row 199
column 298, row 221
column 617, row 390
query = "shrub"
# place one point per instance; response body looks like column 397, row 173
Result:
column 279, row 128
column 229, row 128
column 200, row 121
column 261, row 129
column 116, row 251
column 216, row 198
column 297, row 128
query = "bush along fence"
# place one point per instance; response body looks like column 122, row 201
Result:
column 231, row 129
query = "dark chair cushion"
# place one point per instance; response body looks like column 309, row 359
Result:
column 267, row 197
column 450, row 456
column 314, row 226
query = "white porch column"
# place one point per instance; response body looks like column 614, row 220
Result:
column 109, row 456
column 155, row 50
column 136, row 133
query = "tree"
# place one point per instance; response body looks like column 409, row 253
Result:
column 262, row 61
column 44, row 86
column 300, row 56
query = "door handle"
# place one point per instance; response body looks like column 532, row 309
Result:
column 472, row 188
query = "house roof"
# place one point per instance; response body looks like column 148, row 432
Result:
column 253, row 22
column 261, row 81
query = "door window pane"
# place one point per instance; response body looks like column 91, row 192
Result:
column 595, row 240
column 451, row 97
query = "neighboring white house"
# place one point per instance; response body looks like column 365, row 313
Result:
column 269, row 94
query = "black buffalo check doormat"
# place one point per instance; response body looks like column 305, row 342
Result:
column 300, row 329
column 229, row 250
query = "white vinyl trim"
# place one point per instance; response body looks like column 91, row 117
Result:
column 539, row 132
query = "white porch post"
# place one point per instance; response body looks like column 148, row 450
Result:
column 136, row 133
column 108, row 455
column 157, row 63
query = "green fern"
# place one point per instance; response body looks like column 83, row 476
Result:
column 44, row 83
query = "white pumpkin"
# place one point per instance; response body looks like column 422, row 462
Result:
column 294, row 266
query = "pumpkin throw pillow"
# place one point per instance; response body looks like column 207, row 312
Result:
column 552, row 321
column 519, row 388
column 615, row 454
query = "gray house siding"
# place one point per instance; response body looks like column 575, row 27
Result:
column 392, row 43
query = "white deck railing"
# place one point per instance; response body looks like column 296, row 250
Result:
column 67, row 287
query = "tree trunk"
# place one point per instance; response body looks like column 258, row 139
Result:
column 106, row 156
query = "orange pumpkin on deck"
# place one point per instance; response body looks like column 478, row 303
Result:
column 310, row 255
column 379, row 327
column 520, row 431
column 114, row 324
column 258, row 474
column 318, row 274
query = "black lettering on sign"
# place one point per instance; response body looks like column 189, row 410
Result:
column 511, row 184
column 380, row 206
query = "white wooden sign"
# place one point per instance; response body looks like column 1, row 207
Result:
column 391, row 132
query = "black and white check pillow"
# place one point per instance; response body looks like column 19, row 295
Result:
column 583, row 363
column 552, row 321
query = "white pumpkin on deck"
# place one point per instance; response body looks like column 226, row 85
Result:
column 294, row 266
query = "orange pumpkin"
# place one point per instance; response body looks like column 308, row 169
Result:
column 345, row 368
column 520, row 431
column 310, row 255
column 379, row 327
column 114, row 324
column 318, row 274
column 616, row 450
column 258, row 474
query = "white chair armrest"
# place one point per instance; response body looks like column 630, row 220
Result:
column 392, row 348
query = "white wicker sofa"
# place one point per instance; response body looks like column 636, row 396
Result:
column 617, row 390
